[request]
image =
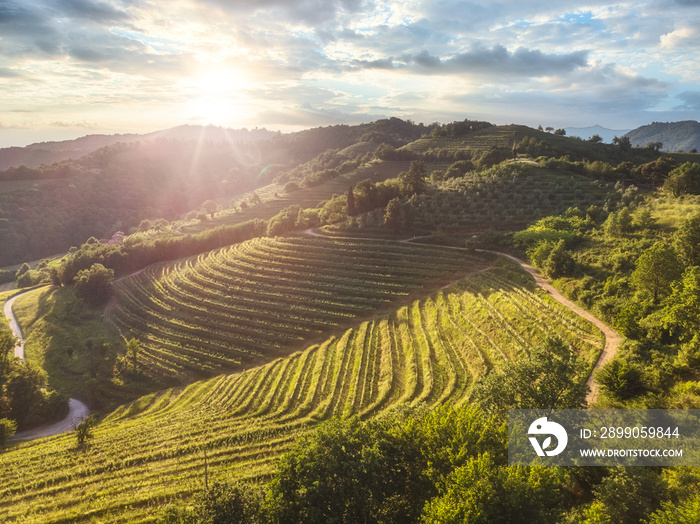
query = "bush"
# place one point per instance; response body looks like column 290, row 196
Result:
column 94, row 285
column 7, row 430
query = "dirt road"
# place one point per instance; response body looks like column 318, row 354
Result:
column 612, row 337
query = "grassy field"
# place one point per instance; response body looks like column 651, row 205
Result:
column 75, row 346
column 246, row 304
column 148, row 453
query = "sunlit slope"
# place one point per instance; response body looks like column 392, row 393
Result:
column 261, row 299
column 146, row 453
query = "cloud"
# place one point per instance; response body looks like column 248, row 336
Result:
column 9, row 73
column 691, row 101
column 87, row 10
column 308, row 12
column 483, row 61
column 678, row 37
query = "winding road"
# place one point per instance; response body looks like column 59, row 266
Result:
column 612, row 337
column 77, row 410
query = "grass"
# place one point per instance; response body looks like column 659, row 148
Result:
column 71, row 342
column 150, row 452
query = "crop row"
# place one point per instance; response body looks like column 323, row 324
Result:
column 266, row 297
column 145, row 454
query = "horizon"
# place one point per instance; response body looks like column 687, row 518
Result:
column 73, row 68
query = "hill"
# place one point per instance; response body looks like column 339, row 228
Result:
column 40, row 153
column 430, row 351
column 675, row 136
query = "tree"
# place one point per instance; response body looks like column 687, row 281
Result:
column 348, row 471
column 393, row 216
column 482, row 492
column 685, row 179
column 686, row 241
column 595, row 139
column 620, row 379
column 8, row 342
column 84, row 430
column 133, row 348
column 7, row 430
column 622, row 142
column 94, row 285
column 560, row 132
column 559, row 263
column 351, row 202
column 23, row 388
column 655, row 146
column 413, row 181
column 655, row 270
column 682, row 312
column 548, row 379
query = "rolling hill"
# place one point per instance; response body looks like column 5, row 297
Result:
column 429, row 351
column 675, row 136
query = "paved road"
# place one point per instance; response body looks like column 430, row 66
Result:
column 19, row 349
column 77, row 410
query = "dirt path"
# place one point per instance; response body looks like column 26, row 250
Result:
column 612, row 337
column 77, row 411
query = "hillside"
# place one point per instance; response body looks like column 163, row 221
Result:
column 675, row 136
column 430, row 351
column 40, row 153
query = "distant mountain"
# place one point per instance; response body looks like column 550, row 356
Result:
column 50, row 152
column 675, row 136
column 587, row 132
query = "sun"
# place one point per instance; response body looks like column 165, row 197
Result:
column 216, row 96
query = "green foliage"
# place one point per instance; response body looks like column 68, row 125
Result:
column 138, row 252
column 83, row 431
column 559, row 262
column 381, row 470
column 485, row 492
column 686, row 241
column 8, row 342
column 549, row 379
column 684, row 180
column 672, row 512
column 94, row 285
column 620, row 379
column 413, row 181
column 219, row 504
column 655, row 270
column 284, row 222
column 349, row 472
column 7, row 430
column 25, row 398
column 393, row 216
column 629, row 495
column 682, row 311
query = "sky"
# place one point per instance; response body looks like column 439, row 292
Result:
column 69, row 68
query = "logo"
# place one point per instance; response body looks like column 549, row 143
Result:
column 542, row 426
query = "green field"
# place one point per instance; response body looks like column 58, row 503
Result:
column 151, row 452
column 264, row 298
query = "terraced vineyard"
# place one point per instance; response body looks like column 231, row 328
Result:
column 259, row 300
column 430, row 351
